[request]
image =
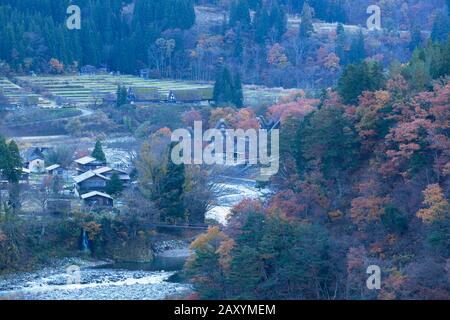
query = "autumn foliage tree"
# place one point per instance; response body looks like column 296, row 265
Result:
column 364, row 170
column 438, row 208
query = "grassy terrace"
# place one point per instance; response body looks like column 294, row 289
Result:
column 17, row 95
column 84, row 90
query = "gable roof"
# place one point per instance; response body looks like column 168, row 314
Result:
column 88, row 175
column 53, row 167
column 95, row 193
column 34, row 153
column 103, row 170
column 145, row 93
column 85, row 160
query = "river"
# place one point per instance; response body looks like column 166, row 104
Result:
column 100, row 280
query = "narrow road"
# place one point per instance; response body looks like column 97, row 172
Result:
column 85, row 112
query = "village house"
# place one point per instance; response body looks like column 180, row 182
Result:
column 34, row 159
column 88, row 163
column 88, row 70
column 191, row 95
column 108, row 172
column 91, row 181
column 144, row 73
column 145, row 94
column 153, row 94
column 240, row 148
column 97, row 199
column 55, row 170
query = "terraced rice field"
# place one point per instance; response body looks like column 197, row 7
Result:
column 17, row 95
column 86, row 89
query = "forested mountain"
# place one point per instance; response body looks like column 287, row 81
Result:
column 364, row 181
column 262, row 40
column 33, row 31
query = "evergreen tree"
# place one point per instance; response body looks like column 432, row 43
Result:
column 272, row 258
column 240, row 13
column 171, row 201
column 418, row 72
column 278, row 20
column 328, row 136
column 228, row 89
column 357, row 49
column 441, row 27
column 10, row 161
column 238, row 48
column 428, row 63
column 394, row 220
column 122, row 96
column 224, row 88
column 185, row 14
column 416, row 38
column 103, row 26
column 358, row 78
column 270, row 23
column 261, row 25
column 98, row 152
column 114, row 186
column 341, row 40
column 306, row 25
column 238, row 95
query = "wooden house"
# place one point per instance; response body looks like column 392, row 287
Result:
column 97, row 199
column 88, row 163
column 55, row 170
column 108, row 172
column 34, row 159
column 145, row 94
column 91, row 181
column 191, row 95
